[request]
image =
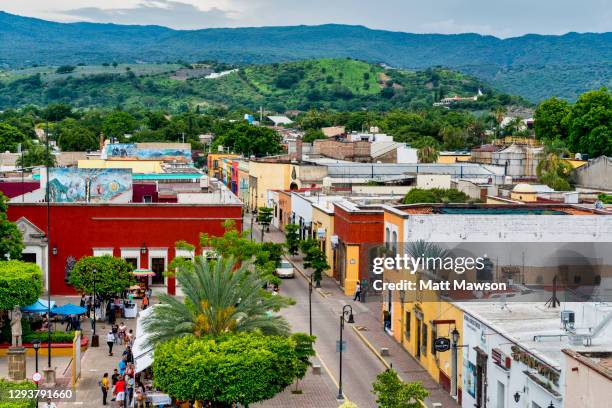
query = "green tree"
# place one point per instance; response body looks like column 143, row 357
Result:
column 435, row 195
column 314, row 258
column 242, row 368
column 264, row 218
column 220, row 297
column 292, row 238
column 118, row 123
column 311, row 135
column 20, row 284
column 303, row 350
column 233, row 244
column 35, row 154
column 27, row 386
column 590, row 124
column 549, row 119
column 10, row 137
column 427, row 154
column 392, row 392
column 11, row 243
column 111, row 275
column 554, row 172
column 249, row 140
column 55, row 112
column 65, row 69
column 72, row 136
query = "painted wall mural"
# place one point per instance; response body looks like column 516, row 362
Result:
column 68, row 185
column 138, row 152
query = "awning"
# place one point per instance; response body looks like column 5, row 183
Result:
column 69, row 309
column 143, row 355
column 40, row 306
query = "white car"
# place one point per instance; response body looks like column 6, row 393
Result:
column 285, row 270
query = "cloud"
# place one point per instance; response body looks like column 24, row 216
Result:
column 157, row 12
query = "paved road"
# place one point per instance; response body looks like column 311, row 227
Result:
column 360, row 366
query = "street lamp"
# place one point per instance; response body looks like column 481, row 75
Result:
column 346, row 316
column 310, row 283
column 36, row 347
column 551, row 405
column 94, row 336
column 454, row 363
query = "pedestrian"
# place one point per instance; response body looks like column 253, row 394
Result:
column 122, row 332
column 127, row 353
column 89, row 305
column 114, row 379
column 105, row 386
column 140, row 395
column 111, row 313
column 83, row 300
column 119, row 391
column 130, row 337
column 122, row 366
column 49, row 404
column 357, row 291
column 110, row 340
column 145, row 302
column 115, row 330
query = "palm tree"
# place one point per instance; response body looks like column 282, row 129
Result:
column 219, row 298
column 427, row 154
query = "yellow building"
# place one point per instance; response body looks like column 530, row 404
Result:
column 416, row 318
column 453, row 157
column 323, row 225
column 524, row 192
column 214, row 163
column 576, row 163
column 137, row 166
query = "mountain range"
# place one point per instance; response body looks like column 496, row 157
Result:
column 532, row 66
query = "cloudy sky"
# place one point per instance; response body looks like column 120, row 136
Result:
column 496, row 17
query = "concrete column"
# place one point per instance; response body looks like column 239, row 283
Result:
column 17, row 363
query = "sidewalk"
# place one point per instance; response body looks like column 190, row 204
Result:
column 369, row 327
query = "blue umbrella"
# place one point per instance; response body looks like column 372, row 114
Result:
column 69, row 309
column 40, row 306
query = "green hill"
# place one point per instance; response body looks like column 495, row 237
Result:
column 342, row 84
column 533, row 66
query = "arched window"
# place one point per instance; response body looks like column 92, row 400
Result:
column 394, row 240
column 387, row 238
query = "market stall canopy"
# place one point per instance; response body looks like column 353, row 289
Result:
column 143, row 272
column 143, row 355
column 69, row 309
column 40, row 306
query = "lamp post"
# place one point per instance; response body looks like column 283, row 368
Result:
column 310, row 303
column 551, row 405
column 36, row 346
column 94, row 337
column 454, row 362
column 346, row 316
column 48, row 199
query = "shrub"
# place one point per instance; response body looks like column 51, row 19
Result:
column 6, row 386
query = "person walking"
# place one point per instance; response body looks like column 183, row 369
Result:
column 127, row 353
column 145, row 302
column 122, row 366
column 110, row 340
column 122, row 332
column 357, row 291
column 105, row 386
column 119, row 391
column 114, row 379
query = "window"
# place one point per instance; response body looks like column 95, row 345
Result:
column 394, row 243
column 407, row 323
column 387, row 238
column 434, row 334
column 424, row 340
column 158, row 265
column 577, row 279
column 147, row 199
column 28, row 258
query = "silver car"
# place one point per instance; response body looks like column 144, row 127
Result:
column 285, row 270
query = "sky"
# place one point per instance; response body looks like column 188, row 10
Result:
column 501, row 18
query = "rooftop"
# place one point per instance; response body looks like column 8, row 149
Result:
column 539, row 329
column 495, row 209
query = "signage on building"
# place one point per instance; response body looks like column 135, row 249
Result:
column 442, row 344
column 321, row 233
column 500, row 358
column 530, row 361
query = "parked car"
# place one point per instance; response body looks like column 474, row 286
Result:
column 285, row 270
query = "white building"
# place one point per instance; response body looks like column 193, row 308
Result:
column 512, row 351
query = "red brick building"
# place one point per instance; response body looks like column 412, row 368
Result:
column 143, row 234
column 359, row 228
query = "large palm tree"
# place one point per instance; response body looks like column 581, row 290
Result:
column 219, row 297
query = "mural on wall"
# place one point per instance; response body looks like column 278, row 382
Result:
column 135, row 151
column 69, row 185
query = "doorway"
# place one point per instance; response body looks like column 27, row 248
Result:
column 158, row 265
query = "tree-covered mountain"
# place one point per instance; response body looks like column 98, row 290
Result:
column 534, row 66
column 340, row 84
